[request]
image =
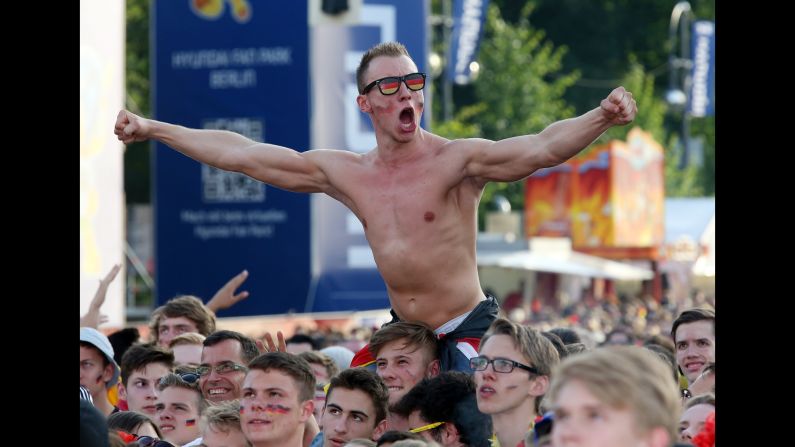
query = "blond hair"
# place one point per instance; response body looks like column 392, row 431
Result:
column 188, row 338
column 625, row 377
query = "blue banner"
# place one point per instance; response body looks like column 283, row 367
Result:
column 469, row 19
column 240, row 66
column 344, row 271
column 701, row 100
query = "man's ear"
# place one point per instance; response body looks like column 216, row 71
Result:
column 364, row 104
column 307, row 407
column 434, row 369
column 450, row 434
column 122, row 391
column 379, row 430
column 539, row 386
column 107, row 374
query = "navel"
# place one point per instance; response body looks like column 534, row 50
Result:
column 429, row 216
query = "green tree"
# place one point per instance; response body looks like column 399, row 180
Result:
column 519, row 91
column 136, row 156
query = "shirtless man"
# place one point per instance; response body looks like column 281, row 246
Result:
column 416, row 193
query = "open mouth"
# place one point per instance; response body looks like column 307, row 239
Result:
column 407, row 116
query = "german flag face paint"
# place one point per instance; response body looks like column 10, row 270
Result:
column 391, row 84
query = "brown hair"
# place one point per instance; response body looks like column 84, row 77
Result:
column 139, row 356
column 389, row 49
column 292, row 365
column 187, row 306
column 691, row 316
column 318, row 358
column 413, row 333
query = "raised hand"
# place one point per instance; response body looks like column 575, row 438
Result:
column 131, row 128
column 93, row 318
column 225, row 297
column 619, row 107
column 272, row 347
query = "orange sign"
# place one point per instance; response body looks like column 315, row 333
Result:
column 609, row 201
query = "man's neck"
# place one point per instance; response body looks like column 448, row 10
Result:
column 512, row 425
column 390, row 151
column 102, row 404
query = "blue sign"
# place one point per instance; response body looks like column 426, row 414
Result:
column 469, row 19
column 239, row 66
column 701, row 101
column 343, row 269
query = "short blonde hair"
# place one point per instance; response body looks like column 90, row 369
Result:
column 223, row 417
column 188, row 338
column 625, row 377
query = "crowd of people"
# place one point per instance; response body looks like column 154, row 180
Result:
column 450, row 369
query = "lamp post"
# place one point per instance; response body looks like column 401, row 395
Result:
column 679, row 71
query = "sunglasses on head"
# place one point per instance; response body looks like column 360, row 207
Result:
column 190, row 378
column 148, row 441
column 391, row 84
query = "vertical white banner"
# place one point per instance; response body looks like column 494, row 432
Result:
column 102, row 26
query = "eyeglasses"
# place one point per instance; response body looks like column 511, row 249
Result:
column 223, row 368
column 480, row 363
column 391, row 84
column 426, row 427
column 148, row 441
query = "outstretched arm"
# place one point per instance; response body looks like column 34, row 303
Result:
column 516, row 158
column 269, row 163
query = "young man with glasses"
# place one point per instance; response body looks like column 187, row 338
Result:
column 416, row 194
column 223, row 364
column 512, row 373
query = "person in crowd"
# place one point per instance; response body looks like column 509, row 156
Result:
column 98, row 371
column 512, row 374
column 187, row 348
column 693, row 333
column 223, row 364
column 220, row 426
column 444, row 409
column 179, row 406
column 421, row 227
column 277, row 400
column 618, row 396
column 142, row 367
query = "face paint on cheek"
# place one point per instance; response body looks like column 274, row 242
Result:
column 242, row 409
column 276, row 409
column 190, row 422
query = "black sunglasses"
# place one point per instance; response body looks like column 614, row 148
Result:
column 480, row 363
column 148, row 441
column 391, row 84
